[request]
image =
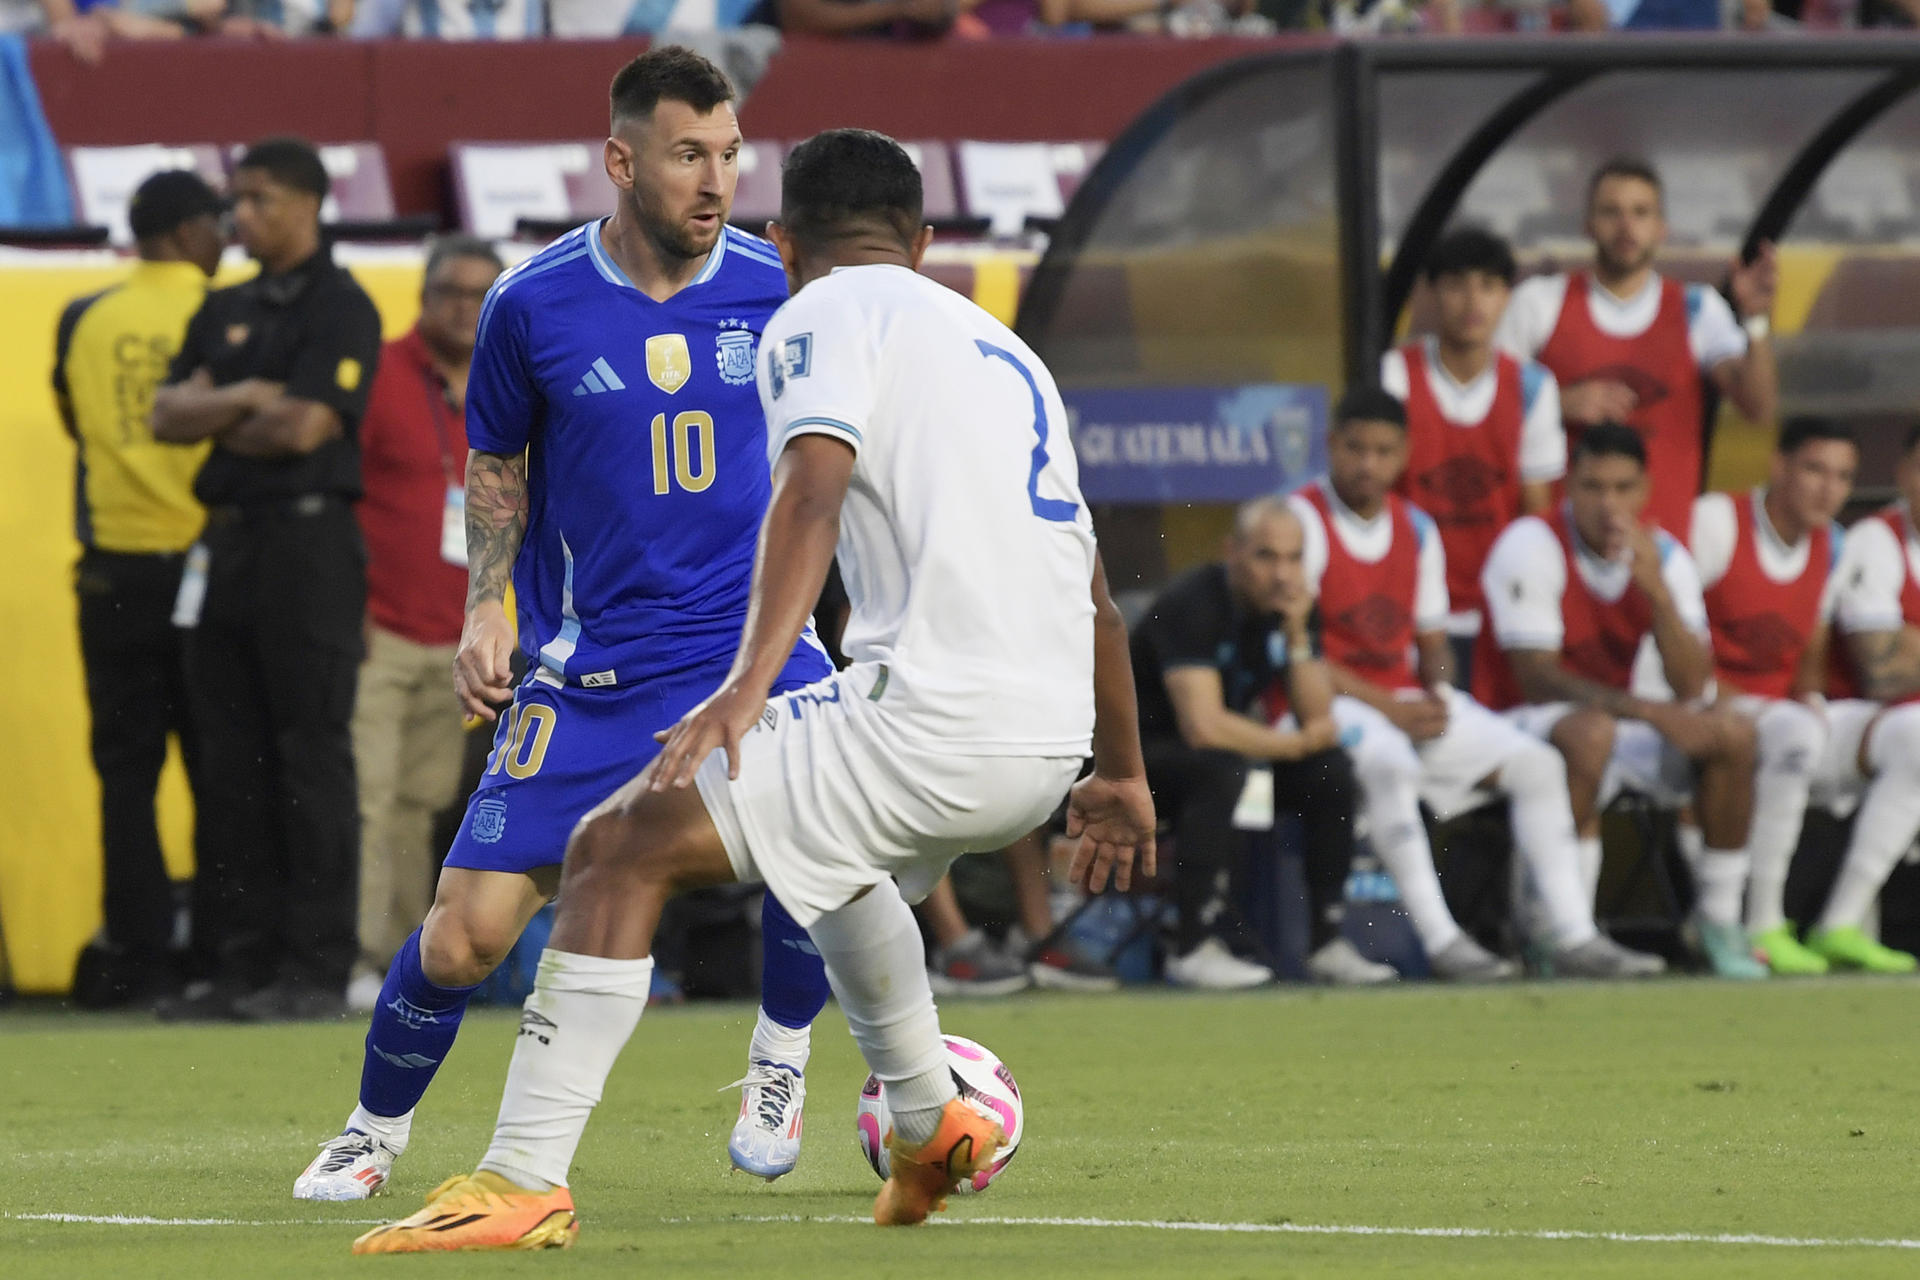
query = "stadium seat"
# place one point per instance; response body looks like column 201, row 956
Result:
column 104, row 178
column 1072, row 162
column 1009, row 182
column 548, row 187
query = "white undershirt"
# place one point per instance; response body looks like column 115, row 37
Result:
column 1534, row 310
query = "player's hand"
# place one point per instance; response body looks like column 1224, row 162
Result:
column 483, row 668
column 1112, row 819
column 721, row 721
column 1421, row 718
column 1754, row 284
column 1645, row 565
column 1597, row 400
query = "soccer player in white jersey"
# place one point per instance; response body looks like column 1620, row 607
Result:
column 1766, row 562
column 1873, row 745
column 1376, row 563
column 929, row 442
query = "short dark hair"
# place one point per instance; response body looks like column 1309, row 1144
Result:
column 1370, row 403
column 444, row 249
column 1626, row 167
column 1609, row 440
column 291, row 162
column 671, row 73
column 842, row 181
column 1798, row 431
column 1470, row 249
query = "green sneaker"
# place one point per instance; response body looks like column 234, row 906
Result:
column 1728, row 951
column 1783, row 954
column 1849, row 947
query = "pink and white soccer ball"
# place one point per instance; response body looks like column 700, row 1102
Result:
column 985, row 1084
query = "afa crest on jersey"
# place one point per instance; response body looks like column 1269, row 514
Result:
column 733, row 353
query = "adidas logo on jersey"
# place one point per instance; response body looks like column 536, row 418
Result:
column 599, row 379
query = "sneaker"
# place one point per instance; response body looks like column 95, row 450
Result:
column 205, row 1000
column 1211, row 967
column 1464, row 960
column 1602, row 957
column 1341, row 964
column 352, row 1166
column 289, row 1001
column 973, row 966
column 479, row 1211
column 363, row 992
column 766, row 1137
column 919, row 1180
column 1781, row 952
column 1055, row 964
column 1727, row 950
column 1849, row 947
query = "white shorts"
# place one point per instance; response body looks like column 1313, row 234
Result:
column 832, row 799
column 1453, row 765
column 1643, row 761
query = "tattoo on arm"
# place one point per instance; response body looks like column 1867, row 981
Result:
column 1543, row 679
column 1889, row 668
column 496, row 522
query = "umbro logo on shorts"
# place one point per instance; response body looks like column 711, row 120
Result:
column 599, row 380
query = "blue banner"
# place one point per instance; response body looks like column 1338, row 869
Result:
column 1196, row 444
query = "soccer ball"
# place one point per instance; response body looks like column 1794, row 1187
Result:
column 985, row 1084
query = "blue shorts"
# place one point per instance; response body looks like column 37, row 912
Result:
column 558, row 752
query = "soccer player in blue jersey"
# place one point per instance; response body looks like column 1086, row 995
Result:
column 618, row 476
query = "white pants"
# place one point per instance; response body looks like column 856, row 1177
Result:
column 833, row 797
column 1886, row 792
column 1642, row 761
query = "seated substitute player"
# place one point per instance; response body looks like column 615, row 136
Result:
column 1215, row 642
column 987, row 658
column 1376, row 563
column 630, row 549
column 1766, row 562
column 1570, row 597
column 1873, row 747
column 1484, row 442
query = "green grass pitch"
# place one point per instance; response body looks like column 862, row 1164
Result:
column 1689, row 1108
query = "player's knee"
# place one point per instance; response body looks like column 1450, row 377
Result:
column 1584, row 739
column 1534, row 769
column 1738, row 739
column 458, row 951
column 1791, row 738
column 1895, row 744
column 1384, row 765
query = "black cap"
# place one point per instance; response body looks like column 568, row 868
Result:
column 169, row 198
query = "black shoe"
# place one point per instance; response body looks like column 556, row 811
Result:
column 208, row 1000
column 107, row 977
column 289, row 1001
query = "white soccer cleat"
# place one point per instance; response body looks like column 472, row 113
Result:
column 353, row 1166
column 766, row 1137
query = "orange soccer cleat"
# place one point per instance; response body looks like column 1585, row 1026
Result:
column 479, row 1211
column 920, row 1180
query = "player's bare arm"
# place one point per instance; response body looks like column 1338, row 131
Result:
column 1110, row 811
column 1208, row 724
column 1435, row 658
column 1753, row 381
column 195, row 410
column 1309, row 679
column 1810, row 681
column 1543, row 679
column 797, row 542
column 496, row 523
column 1888, row 662
column 1683, row 655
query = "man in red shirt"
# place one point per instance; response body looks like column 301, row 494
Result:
column 1484, row 441
column 407, row 734
column 1628, row 345
column 1766, row 560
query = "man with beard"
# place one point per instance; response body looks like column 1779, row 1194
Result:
column 1631, row 346
column 617, row 475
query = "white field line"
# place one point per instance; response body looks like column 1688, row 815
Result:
column 1136, row 1224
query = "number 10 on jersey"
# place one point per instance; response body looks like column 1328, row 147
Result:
column 679, row 449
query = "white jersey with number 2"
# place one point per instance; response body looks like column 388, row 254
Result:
column 966, row 548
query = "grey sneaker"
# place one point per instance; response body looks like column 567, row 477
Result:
column 973, row 966
column 1056, row 964
column 1602, row 957
column 1341, row 964
column 1464, row 960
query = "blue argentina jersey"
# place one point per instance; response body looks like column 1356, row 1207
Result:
column 646, row 454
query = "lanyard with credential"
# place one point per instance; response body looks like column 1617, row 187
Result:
column 453, row 515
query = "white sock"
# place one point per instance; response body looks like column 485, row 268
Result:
column 1721, row 877
column 1791, row 737
column 876, row 965
column 1591, row 856
column 787, row 1046
column 1535, row 781
column 1692, row 844
column 572, row 1028
column 1400, row 842
column 393, row 1131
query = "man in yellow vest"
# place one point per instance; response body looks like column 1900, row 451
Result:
column 136, row 517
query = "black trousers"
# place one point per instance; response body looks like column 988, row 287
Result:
column 1198, row 789
column 136, row 686
column 272, row 668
